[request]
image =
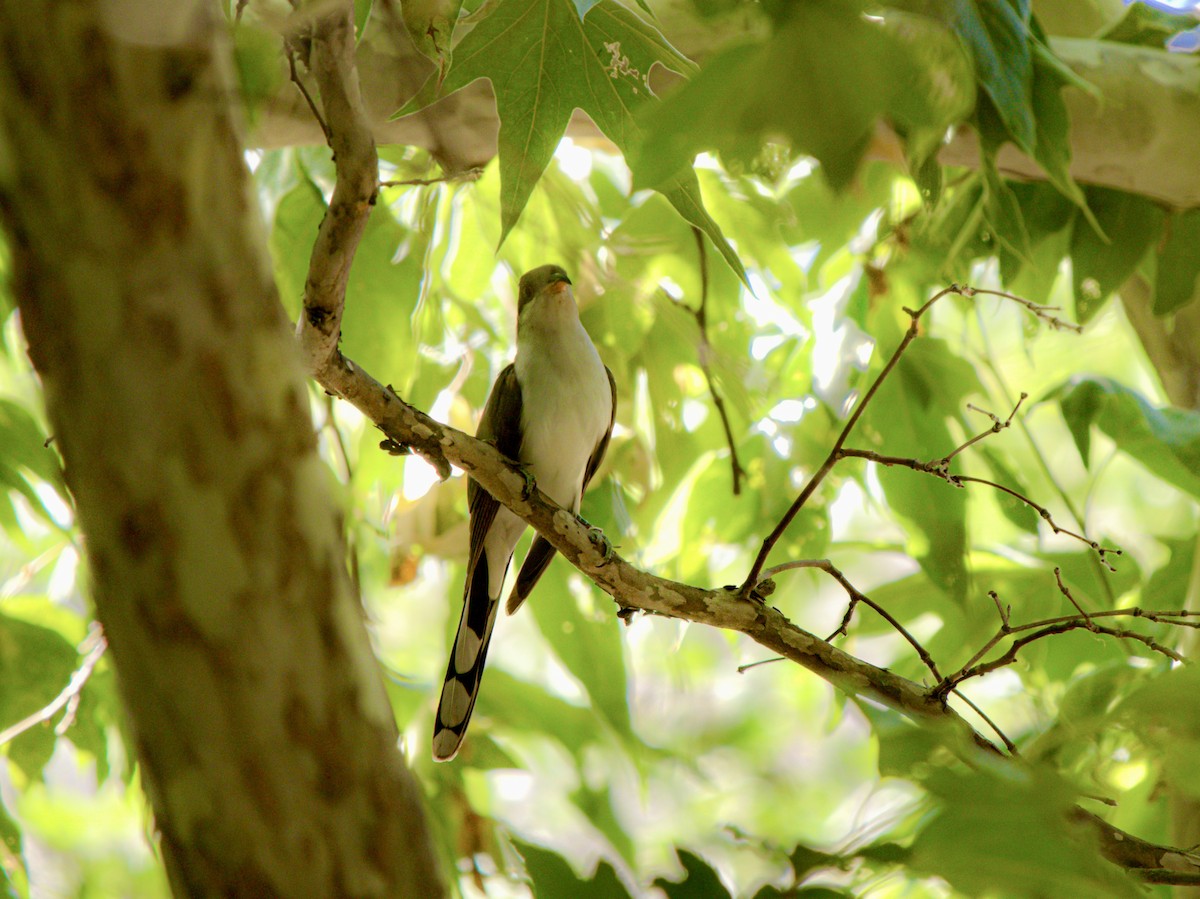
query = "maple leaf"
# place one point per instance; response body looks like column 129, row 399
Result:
column 545, row 61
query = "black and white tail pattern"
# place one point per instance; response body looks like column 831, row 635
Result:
column 464, row 671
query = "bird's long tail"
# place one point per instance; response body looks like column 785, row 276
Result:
column 464, row 671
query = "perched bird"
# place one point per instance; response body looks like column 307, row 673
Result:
column 552, row 412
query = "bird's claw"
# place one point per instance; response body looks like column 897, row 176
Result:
column 597, row 539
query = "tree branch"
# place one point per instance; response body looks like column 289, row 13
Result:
column 331, row 61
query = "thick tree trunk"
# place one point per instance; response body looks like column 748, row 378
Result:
column 267, row 744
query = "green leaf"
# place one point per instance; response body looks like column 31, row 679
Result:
column 1144, row 25
column 1169, row 584
column 1178, row 271
column 1132, row 225
column 1166, row 441
column 522, row 706
column 1166, row 708
column 1052, row 147
column 36, row 663
column 908, row 418
column 699, row 882
column 588, row 645
column 1019, row 513
column 822, row 80
column 26, row 460
column 552, row 877
column 1005, row 830
column 430, row 24
column 544, row 62
column 997, row 33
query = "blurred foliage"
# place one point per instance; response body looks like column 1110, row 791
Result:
column 606, row 759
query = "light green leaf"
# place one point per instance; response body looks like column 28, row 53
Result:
column 823, row 80
column 1006, row 831
column 430, row 24
column 35, row 665
column 908, row 418
column 1166, row 441
column 588, row 645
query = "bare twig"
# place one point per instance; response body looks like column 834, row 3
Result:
column 700, row 313
column 856, row 597
column 69, row 697
column 1008, row 744
column 471, row 174
column 290, row 50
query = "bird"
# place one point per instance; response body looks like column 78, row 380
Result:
column 551, row 411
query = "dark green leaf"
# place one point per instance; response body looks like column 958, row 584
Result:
column 1165, row 441
column 700, row 881
column 998, row 35
column 1132, row 225
column 552, row 877
column 805, row 859
column 1178, row 271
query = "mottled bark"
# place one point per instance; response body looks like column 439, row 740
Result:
column 266, row 741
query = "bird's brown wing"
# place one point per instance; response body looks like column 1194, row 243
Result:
column 501, row 424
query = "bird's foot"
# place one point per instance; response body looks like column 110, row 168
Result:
column 597, row 539
column 530, row 480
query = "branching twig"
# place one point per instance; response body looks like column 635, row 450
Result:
column 1041, row 312
column 856, row 597
column 68, row 698
column 940, row 468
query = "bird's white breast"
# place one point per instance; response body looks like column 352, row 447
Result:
column 566, row 398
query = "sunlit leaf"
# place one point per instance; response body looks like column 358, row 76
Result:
column 601, row 64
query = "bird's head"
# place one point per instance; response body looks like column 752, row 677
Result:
column 542, row 291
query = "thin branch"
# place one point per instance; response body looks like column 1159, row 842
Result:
column 68, row 698
column 705, row 354
column 1008, row 744
column 290, row 51
column 471, row 174
column 856, row 597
